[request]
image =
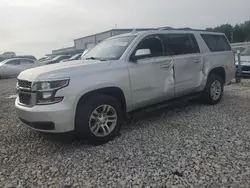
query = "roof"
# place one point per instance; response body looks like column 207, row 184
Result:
column 142, row 29
column 10, row 59
column 127, row 29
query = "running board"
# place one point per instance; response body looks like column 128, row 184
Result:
column 168, row 103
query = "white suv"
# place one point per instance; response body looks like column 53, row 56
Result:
column 121, row 74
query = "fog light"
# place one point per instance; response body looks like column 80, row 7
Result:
column 46, row 95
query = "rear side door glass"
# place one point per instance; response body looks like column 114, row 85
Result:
column 26, row 61
column 180, row 44
column 216, row 43
column 13, row 63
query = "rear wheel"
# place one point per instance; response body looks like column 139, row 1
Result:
column 214, row 89
column 98, row 118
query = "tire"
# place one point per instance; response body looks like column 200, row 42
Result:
column 87, row 119
column 208, row 96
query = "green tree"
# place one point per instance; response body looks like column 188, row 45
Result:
column 246, row 28
column 238, row 33
column 225, row 28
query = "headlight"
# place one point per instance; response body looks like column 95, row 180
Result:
column 46, row 91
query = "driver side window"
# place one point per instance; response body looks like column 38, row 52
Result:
column 149, row 47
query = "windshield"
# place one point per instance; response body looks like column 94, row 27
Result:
column 246, row 51
column 3, row 62
column 110, row 49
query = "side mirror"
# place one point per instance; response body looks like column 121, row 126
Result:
column 142, row 52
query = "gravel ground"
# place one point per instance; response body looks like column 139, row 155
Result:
column 190, row 145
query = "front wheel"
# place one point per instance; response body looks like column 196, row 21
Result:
column 214, row 89
column 98, row 119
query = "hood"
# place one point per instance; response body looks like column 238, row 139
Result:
column 62, row 70
column 245, row 60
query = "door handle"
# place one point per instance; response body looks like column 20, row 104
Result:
column 165, row 65
column 197, row 60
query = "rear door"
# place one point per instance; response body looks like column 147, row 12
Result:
column 188, row 62
column 26, row 64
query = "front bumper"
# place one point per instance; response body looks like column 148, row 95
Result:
column 245, row 69
column 54, row 118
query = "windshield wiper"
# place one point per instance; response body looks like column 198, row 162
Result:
column 94, row 58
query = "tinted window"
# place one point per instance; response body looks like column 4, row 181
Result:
column 26, row 61
column 13, row 62
column 216, row 43
column 179, row 44
column 152, row 45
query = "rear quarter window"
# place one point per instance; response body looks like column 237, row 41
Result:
column 216, row 43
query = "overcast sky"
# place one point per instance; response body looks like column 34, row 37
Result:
column 36, row 27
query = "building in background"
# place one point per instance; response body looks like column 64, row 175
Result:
column 90, row 41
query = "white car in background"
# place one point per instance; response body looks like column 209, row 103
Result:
column 245, row 61
column 74, row 57
column 12, row 67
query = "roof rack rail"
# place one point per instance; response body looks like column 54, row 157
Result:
column 180, row 29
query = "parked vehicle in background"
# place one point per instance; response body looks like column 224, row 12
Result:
column 245, row 61
column 74, row 57
column 45, row 58
column 122, row 74
column 6, row 55
column 12, row 67
column 42, row 59
column 238, row 48
column 56, row 59
column 85, row 51
column 26, row 56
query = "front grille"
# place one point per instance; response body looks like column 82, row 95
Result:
column 247, row 68
column 24, row 84
column 25, row 98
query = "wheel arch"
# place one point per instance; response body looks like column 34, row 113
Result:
column 220, row 71
column 113, row 91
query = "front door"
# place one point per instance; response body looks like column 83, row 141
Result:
column 188, row 62
column 11, row 68
column 151, row 73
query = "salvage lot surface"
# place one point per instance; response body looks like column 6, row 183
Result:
column 190, row 145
